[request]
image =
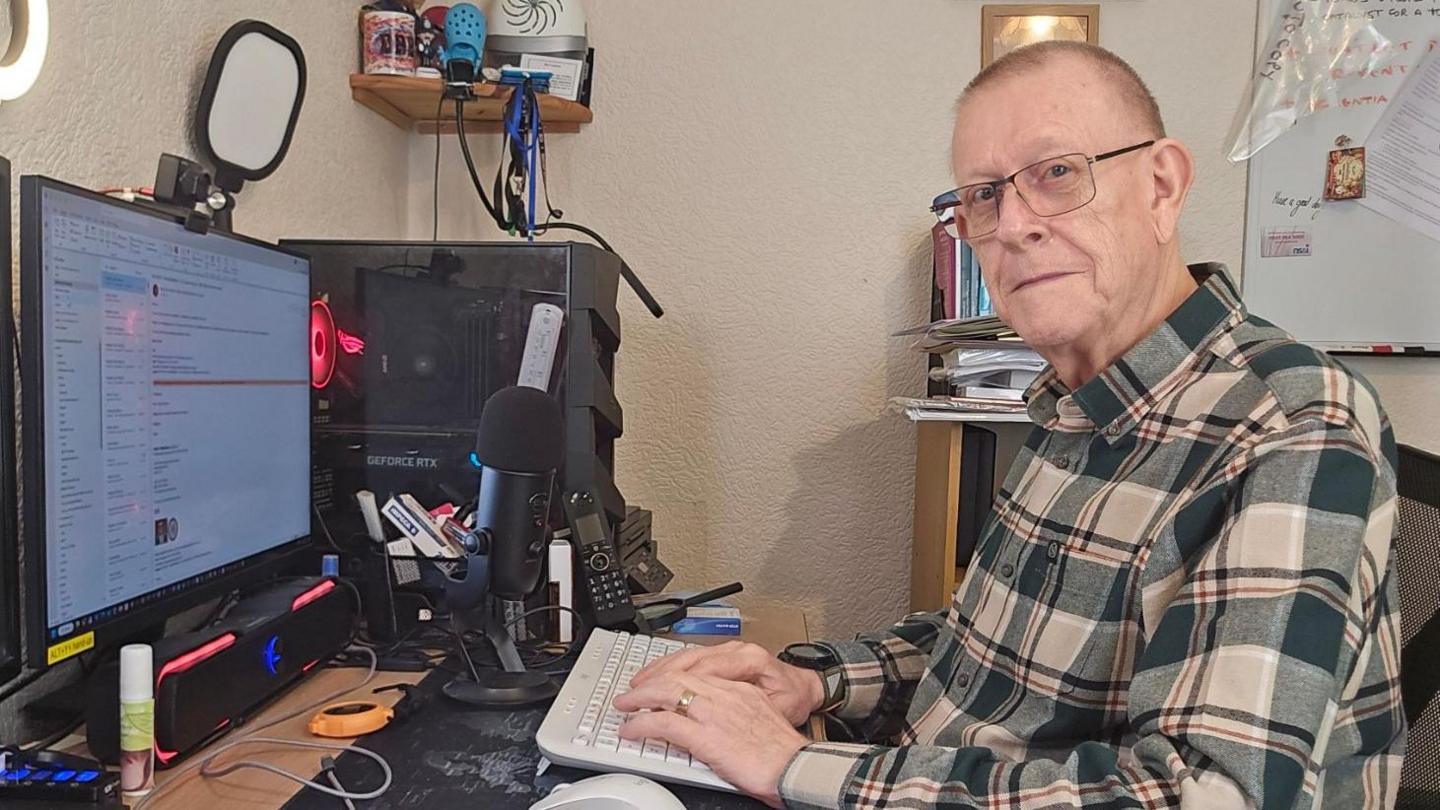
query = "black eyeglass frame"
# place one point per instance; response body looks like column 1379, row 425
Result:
column 951, row 199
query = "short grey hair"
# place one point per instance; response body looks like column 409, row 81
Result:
column 1117, row 71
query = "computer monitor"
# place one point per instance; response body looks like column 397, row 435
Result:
column 9, row 548
column 166, row 409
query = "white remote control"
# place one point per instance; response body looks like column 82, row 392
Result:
column 541, row 342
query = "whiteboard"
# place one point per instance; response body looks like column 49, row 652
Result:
column 1367, row 280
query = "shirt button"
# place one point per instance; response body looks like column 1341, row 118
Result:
column 1054, row 551
column 1063, row 462
column 1006, row 570
column 962, row 680
column 1112, row 430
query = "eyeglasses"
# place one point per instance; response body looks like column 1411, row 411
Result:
column 1048, row 187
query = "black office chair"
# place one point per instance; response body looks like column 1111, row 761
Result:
column 1417, row 561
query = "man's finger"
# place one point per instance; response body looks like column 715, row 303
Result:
column 662, row 693
column 677, row 662
column 667, row 726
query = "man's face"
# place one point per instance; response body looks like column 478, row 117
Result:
column 1077, row 277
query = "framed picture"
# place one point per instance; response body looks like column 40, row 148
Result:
column 1007, row 27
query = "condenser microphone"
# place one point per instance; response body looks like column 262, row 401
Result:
column 519, row 445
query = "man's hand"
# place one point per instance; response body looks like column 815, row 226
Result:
column 730, row 726
column 796, row 692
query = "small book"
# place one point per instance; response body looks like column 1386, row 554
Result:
column 709, row 620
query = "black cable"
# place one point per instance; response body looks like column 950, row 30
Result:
column 470, row 166
column 542, row 609
column 329, row 538
column 505, row 224
column 435, row 194
column 574, row 645
column 222, row 606
column 625, row 271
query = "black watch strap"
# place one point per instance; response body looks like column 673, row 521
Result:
column 823, row 661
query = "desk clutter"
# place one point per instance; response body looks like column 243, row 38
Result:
column 543, row 43
column 255, row 468
column 472, row 760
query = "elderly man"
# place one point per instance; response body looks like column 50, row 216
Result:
column 1185, row 595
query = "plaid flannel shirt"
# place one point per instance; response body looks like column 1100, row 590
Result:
column 1184, row 596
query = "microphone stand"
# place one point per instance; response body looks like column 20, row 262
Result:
column 473, row 607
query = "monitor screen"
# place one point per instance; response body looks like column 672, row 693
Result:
column 9, row 551
column 173, row 400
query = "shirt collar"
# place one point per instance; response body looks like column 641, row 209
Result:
column 1119, row 396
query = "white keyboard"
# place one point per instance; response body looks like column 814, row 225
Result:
column 581, row 728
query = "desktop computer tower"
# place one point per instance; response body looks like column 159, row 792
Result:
column 408, row 341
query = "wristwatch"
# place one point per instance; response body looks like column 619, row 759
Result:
column 824, row 661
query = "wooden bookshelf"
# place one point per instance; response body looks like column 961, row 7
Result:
column 411, row 102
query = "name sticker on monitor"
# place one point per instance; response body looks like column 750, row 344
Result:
column 69, row 648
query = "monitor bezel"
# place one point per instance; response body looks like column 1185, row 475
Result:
column 247, row 570
column 11, row 648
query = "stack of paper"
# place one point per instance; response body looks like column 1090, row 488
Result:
column 941, row 336
column 944, row 409
column 989, row 369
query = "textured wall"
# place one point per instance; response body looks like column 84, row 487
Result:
column 765, row 167
column 118, row 87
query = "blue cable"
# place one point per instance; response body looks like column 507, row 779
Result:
column 524, row 97
column 532, row 151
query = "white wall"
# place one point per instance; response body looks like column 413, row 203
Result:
column 119, row 84
column 765, row 167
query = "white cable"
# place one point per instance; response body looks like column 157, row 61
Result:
column 330, row 777
column 310, row 783
column 204, row 764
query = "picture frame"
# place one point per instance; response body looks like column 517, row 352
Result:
column 1003, row 28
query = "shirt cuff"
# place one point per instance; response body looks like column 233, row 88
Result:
column 816, row 777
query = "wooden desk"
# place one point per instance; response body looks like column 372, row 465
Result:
column 770, row 628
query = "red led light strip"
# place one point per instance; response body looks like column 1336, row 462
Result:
column 311, row 595
column 183, row 663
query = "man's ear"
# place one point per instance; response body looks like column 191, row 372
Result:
column 1173, row 172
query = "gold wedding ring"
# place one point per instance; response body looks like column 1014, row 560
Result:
column 682, row 706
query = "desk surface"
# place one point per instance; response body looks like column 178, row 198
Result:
column 461, row 758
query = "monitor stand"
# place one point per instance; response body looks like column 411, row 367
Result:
column 67, row 701
column 510, row 686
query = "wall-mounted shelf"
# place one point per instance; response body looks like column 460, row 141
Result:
column 411, row 102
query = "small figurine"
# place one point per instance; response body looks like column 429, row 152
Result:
column 429, row 42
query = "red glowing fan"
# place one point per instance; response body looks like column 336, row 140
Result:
column 322, row 344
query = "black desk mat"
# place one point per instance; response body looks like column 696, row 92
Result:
column 450, row 756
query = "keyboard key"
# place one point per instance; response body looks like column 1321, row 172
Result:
column 631, row 747
column 654, row 749
column 607, row 740
column 678, row 755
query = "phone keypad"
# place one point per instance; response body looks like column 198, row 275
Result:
column 607, row 590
